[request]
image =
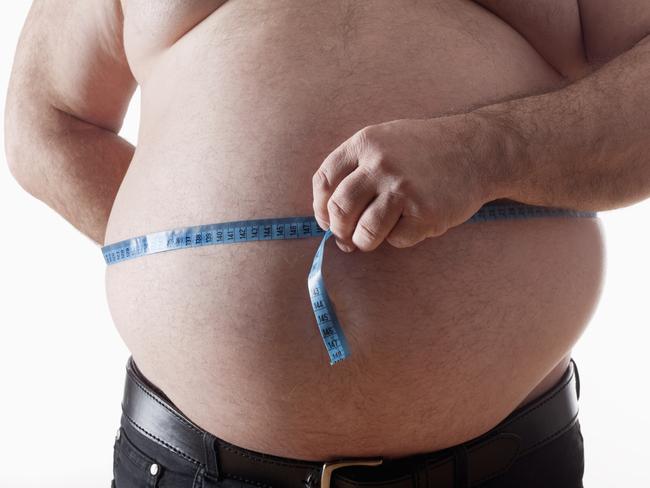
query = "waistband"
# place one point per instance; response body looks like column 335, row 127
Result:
column 527, row 428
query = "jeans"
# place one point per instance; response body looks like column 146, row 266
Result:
column 140, row 462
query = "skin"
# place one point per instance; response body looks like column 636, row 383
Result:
column 383, row 183
column 396, row 151
column 407, row 180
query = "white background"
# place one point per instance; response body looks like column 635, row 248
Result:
column 62, row 362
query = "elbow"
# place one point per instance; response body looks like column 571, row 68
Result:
column 15, row 160
column 18, row 163
column 20, row 146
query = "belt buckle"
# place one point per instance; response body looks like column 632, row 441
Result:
column 329, row 467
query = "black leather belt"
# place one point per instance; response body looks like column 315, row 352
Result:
column 528, row 428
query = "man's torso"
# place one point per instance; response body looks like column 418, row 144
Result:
column 240, row 105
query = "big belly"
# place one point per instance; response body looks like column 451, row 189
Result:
column 446, row 337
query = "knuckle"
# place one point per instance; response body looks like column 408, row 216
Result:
column 407, row 236
column 379, row 165
column 420, row 214
column 367, row 232
column 394, row 198
column 436, row 229
column 430, row 222
column 366, row 140
column 399, row 185
column 398, row 241
column 321, row 218
column 320, row 179
column 336, row 208
column 362, row 136
column 373, row 165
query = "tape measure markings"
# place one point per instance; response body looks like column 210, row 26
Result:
column 296, row 228
column 328, row 323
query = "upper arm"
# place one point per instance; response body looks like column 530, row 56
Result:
column 70, row 58
column 611, row 27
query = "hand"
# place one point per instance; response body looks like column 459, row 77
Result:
column 403, row 181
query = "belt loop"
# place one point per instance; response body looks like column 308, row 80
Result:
column 461, row 476
column 210, row 455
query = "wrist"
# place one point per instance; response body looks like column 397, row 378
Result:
column 500, row 152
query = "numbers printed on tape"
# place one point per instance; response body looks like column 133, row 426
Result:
column 294, row 228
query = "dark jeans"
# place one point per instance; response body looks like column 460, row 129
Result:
column 556, row 464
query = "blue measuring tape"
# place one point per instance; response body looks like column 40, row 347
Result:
column 295, row 228
column 328, row 323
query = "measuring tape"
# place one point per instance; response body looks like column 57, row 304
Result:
column 295, row 228
column 328, row 323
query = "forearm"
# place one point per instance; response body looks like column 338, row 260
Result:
column 73, row 166
column 586, row 146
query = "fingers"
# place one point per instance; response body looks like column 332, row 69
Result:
column 407, row 232
column 336, row 166
column 348, row 202
column 377, row 221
